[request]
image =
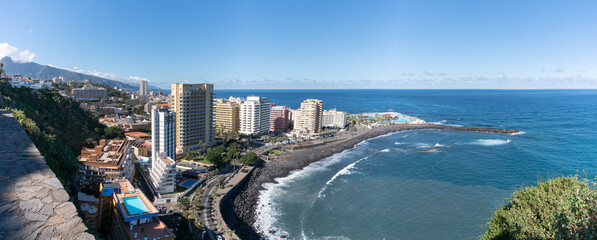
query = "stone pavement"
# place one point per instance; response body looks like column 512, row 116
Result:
column 33, row 202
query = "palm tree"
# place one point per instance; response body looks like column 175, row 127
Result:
column 1, row 69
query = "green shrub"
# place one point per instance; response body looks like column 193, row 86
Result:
column 250, row 158
column 560, row 208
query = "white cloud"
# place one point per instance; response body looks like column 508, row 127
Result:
column 24, row 56
column 14, row 53
column 111, row 76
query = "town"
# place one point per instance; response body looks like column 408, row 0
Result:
column 168, row 159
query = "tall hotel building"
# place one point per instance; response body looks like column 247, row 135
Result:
column 226, row 116
column 193, row 104
column 143, row 88
column 308, row 117
column 163, row 131
column 278, row 121
column 163, row 165
column 254, row 115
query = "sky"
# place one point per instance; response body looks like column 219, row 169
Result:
column 285, row 44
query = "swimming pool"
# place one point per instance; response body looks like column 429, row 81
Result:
column 188, row 183
column 401, row 120
column 134, row 205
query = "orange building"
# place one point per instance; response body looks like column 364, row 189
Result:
column 108, row 161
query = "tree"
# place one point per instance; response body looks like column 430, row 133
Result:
column 183, row 203
column 560, row 208
column 215, row 156
column 1, row 69
column 114, row 132
column 250, row 158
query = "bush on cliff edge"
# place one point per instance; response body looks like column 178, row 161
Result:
column 561, row 208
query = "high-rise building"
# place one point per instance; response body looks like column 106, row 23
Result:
column 90, row 92
column 129, row 213
column 193, row 104
column 226, row 116
column 278, row 120
column 254, row 115
column 110, row 160
column 308, row 118
column 163, row 131
column 143, row 88
column 333, row 118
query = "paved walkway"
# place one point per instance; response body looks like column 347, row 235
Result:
column 33, row 202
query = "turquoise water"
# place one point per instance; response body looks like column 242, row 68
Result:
column 401, row 120
column 134, row 205
column 383, row 189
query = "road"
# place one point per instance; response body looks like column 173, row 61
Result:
column 206, row 205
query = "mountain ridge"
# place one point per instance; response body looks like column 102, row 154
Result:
column 44, row 72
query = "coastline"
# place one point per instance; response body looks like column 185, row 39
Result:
column 238, row 208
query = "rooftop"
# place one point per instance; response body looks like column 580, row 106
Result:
column 108, row 152
column 137, row 134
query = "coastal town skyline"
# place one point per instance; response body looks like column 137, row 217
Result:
column 329, row 45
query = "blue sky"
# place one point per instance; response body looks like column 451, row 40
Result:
column 313, row 44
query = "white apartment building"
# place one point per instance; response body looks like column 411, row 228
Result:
column 163, row 174
column 254, row 115
column 163, row 131
column 333, row 118
column 90, row 92
column 143, row 88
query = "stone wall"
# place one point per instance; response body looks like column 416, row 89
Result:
column 33, row 202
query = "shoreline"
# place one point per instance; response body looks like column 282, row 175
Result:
column 238, row 208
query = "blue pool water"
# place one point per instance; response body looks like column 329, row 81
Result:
column 400, row 120
column 188, row 183
column 383, row 189
column 134, row 205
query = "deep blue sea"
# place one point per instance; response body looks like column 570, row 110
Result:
column 383, row 189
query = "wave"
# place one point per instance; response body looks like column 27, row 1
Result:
column 266, row 212
column 344, row 171
column 386, row 150
column 490, row 142
column 398, row 143
column 422, row 145
column 439, row 145
column 439, row 122
column 518, row 133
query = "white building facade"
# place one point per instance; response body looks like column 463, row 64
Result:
column 333, row 118
column 143, row 88
column 254, row 115
column 163, row 132
column 163, row 174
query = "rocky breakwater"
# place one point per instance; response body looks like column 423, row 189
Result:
column 33, row 202
column 239, row 207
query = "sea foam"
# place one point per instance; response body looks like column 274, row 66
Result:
column 490, row 142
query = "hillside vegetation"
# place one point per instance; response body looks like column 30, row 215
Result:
column 560, row 208
column 56, row 124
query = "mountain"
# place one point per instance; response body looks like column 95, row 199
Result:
column 44, row 72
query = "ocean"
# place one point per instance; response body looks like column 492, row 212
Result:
column 383, row 189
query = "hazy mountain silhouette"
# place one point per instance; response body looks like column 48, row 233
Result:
column 44, row 72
